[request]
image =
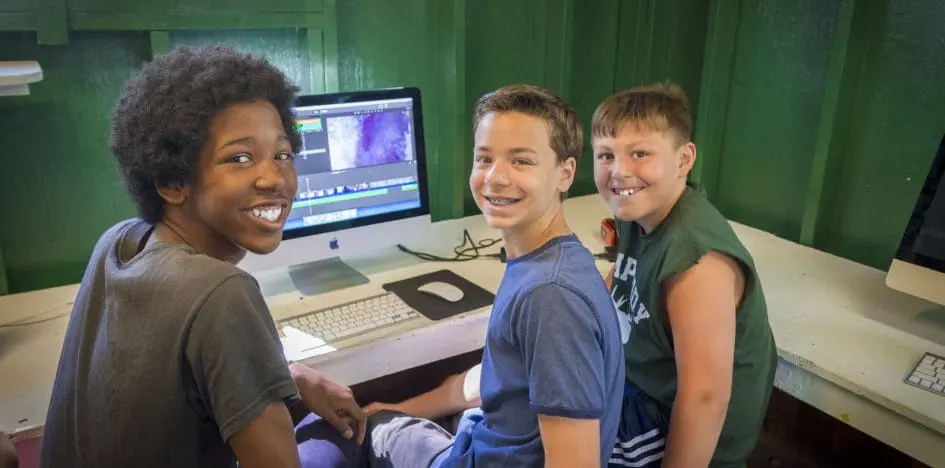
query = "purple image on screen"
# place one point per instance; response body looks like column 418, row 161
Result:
column 369, row 140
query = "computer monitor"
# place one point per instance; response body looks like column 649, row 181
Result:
column 919, row 265
column 362, row 185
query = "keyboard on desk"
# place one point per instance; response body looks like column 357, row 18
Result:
column 324, row 327
column 929, row 374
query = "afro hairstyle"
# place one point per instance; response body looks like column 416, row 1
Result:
column 162, row 119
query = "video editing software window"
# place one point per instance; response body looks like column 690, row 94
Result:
column 356, row 160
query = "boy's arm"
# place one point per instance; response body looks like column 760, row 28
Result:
column 267, row 441
column 701, row 303
column 240, row 375
column 8, row 457
column 608, row 280
column 457, row 393
column 570, row 442
column 559, row 336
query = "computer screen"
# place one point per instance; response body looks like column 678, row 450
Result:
column 359, row 162
column 362, row 185
column 919, row 265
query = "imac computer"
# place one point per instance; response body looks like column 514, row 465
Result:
column 362, row 185
column 918, row 267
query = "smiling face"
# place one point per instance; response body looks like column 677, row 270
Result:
column 245, row 183
column 641, row 172
column 516, row 178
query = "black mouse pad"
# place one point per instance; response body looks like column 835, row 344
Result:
column 434, row 308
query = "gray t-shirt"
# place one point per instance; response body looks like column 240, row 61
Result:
column 168, row 353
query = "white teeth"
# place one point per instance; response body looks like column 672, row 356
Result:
column 270, row 214
column 501, row 201
column 625, row 192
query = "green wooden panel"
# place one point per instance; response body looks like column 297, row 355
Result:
column 850, row 45
column 715, row 85
column 195, row 6
column 315, row 42
column 897, row 125
column 662, row 41
column 4, row 287
column 175, row 19
column 57, row 178
column 594, row 55
column 778, row 82
column 160, row 43
column 558, row 46
column 51, row 22
column 448, row 171
column 17, row 6
column 287, row 49
column 678, row 50
column 329, row 29
column 524, row 42
column 635, row 43
column 411, row 54
column 17, row 15
column 17, row 21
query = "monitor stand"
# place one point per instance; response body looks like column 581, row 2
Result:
column 325, row 275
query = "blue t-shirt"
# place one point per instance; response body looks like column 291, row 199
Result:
column 552, row 347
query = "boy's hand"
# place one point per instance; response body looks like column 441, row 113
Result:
column 8, row 458
column 378, row 406
column 332, row 402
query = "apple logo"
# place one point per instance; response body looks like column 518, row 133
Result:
column 333, row 244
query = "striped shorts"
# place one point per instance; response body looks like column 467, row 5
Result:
column 640, row 442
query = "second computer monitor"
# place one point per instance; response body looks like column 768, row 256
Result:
column 918, row 267
column 361, row 179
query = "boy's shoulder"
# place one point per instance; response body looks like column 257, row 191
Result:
column 169, row 264
column 694, row 228
column 562, row 263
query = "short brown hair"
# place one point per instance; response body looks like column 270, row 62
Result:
column 657, row 107
column 564, row 127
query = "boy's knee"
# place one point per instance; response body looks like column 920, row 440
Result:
column 321, row 446
column 385, row 427
column 398, row 440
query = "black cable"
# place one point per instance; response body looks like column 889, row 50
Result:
column 461, row 253
column 33, row 320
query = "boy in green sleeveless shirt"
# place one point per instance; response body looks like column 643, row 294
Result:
column 699, row 350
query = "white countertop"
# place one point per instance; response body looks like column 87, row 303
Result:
column 846, row 341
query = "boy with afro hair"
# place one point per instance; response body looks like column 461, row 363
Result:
column 171, row 357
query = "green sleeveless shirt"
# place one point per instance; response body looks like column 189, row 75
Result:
column 693, row 228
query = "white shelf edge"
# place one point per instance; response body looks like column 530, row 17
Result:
column 15, row 77
column 15, row 90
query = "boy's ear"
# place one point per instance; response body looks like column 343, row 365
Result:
column 173, row 194
column 569, row 169
column 687, row 158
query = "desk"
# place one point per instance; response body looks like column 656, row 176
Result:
column 845, row 341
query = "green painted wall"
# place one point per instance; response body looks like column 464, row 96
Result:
column 897, row 119
column 807, row 126
column 779, row 76
column 821, row 117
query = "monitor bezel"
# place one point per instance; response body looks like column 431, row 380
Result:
column 906, row 250
column 351, row 97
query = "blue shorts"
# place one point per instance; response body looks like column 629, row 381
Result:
column 640, row 442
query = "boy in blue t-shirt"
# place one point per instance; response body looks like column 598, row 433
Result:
column 550, row 385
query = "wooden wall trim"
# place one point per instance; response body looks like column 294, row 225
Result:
column 715, row 91
column 851, row 43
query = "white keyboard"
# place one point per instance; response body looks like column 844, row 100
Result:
column 929, row 374
column 314, row 332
